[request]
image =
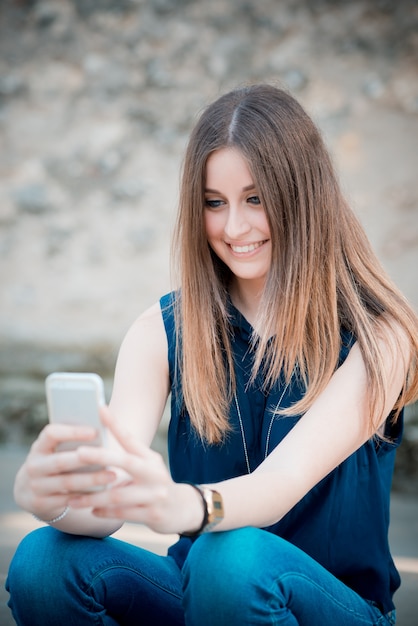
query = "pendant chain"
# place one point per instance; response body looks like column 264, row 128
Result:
column 241, row 424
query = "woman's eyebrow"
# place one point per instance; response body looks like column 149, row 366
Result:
column 247, row 188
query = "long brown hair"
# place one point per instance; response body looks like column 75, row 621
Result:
column 323, row 274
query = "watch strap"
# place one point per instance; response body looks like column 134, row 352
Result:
column 207, row 524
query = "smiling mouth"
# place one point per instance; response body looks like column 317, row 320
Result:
column 247, row 248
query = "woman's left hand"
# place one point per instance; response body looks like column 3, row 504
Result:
column 146, row 494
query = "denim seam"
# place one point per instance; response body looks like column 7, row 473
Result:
column 325, row 592
column 135, row 571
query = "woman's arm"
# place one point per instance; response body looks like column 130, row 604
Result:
column 47, row 480
column 141, row 384
column 334, row 427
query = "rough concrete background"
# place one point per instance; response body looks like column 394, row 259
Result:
column 96, row 101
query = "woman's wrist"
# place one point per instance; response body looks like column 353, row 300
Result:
column 213, row 511
column 192, row 508
column 55, row 519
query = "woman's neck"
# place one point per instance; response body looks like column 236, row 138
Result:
column 246, row 297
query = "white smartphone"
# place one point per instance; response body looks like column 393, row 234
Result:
column 75, row 398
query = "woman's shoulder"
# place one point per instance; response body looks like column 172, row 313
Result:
column 157, row 317
column 147, row 328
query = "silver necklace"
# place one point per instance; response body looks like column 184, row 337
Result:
column 241, row 425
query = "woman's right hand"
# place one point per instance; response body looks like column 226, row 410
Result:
column 48, row 478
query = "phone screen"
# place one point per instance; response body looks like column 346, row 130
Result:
column 75, row 398
column 74, row 405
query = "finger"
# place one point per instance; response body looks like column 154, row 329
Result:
column 150, row 472
column 123, row 436
column 130, row 496
column 132, row 464
column 56, row 463
column 138, row 515
column 147, row 515
column 54, row 434
column 73, row 483
column 135, row 514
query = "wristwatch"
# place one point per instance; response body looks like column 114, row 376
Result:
column 213, row 510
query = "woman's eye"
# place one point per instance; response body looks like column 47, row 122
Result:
column 213, row 204
column 254, row 200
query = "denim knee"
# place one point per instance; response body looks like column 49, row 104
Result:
column 58, row 578
column 250, row 576
column 30, row 559
column 44, row 575
column 221, row 577
column 222, row 552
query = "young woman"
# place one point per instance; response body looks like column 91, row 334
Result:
column 289, row 356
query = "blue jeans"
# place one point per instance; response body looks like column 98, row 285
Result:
column 246, row 576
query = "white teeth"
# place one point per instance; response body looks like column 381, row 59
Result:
column 248, row 248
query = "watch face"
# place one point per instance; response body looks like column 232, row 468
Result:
column 215, row 507
column 218, row 508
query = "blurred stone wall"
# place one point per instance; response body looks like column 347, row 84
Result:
column 97, row 98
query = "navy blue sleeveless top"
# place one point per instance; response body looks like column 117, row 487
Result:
column 343, row 521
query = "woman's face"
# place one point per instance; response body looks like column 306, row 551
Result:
column 235, row 221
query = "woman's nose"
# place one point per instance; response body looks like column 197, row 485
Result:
column 237, row 223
